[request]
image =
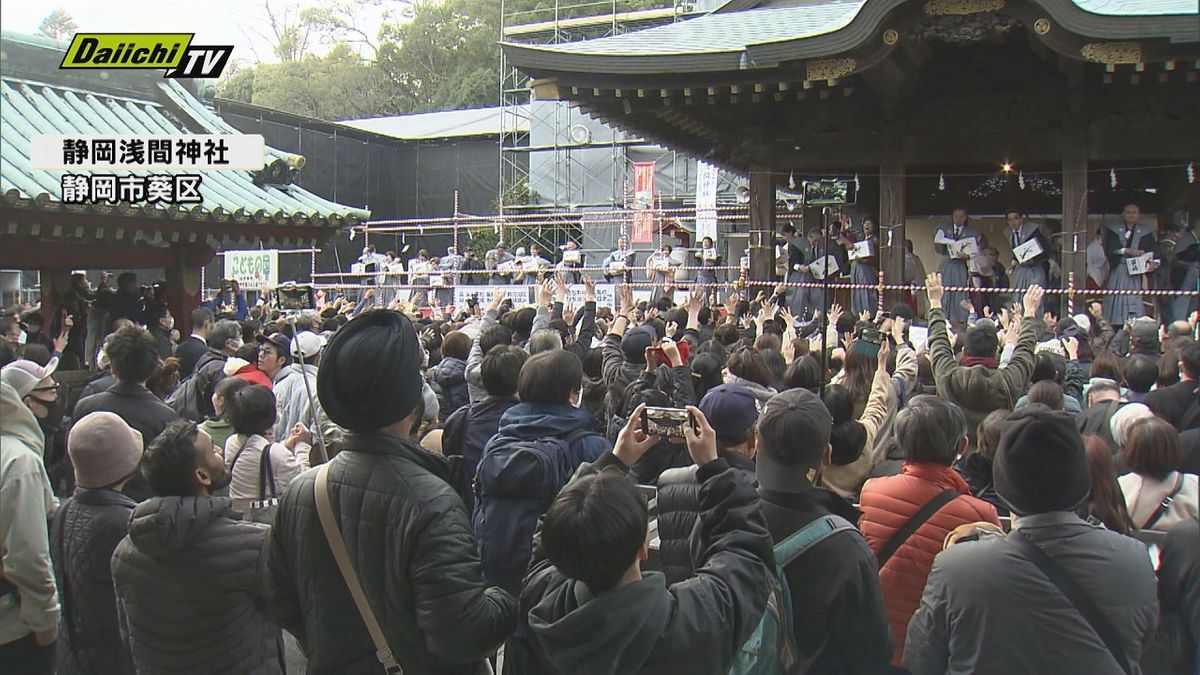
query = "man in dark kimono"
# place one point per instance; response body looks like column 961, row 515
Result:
column 1124, row 240
column 1033, row 270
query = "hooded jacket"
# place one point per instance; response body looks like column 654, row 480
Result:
column 450, row 376
column 978, row 389
column 410, row 540
column 648, row 627
column 26, row 504
column 190, row 592
column 888, row 503
column 86, row 531
column 474, row 374
column 504, row 525
column 292, row 400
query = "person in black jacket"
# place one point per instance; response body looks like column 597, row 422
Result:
column 593, row 610
column 469, row 429
column 133, row 357
column 408, row 534
column 105, row 452
column 1179, row 593
column 187, row 578
column 838, row 614
column 732, row 411
column 1173, row 403
column 190, row 350
column 224, row 341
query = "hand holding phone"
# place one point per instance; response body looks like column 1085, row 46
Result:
column 669, row 423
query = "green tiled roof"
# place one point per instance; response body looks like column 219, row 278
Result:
column 46, row 105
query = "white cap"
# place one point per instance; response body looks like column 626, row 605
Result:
column 307, row 343
column 25, row 376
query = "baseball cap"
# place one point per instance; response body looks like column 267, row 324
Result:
column 280, row 341
column 799, row 418
column 731, row 409
column 307, row 344
column 25, row 376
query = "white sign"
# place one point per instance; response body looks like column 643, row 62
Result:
column 861, row 249
column 605, row 295
column 822, row 267
column 1139, row 264
column 253, row 270
column 572, row 256
column 518, row 294
column 1027, row 251
column 199, row 152
column 706, row 201
column 968, row 247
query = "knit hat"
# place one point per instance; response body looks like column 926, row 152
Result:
column 25, row 376
column 731, row 409
column 1040, row 465
column 104, row 450
column 1083, row 321
column 635, row 342
column 1145, row 330
column 1124, row 418
column 371, row 372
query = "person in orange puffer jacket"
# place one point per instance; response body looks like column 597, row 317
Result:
column 932, row 432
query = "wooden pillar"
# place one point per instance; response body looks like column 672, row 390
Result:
column 1075, row 209
column 891, row 218
column 762, row 223
column 183, row 283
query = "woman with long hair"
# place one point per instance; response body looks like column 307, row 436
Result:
column 857, row 372
column 1105, row 503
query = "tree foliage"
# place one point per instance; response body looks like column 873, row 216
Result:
column 426, row 55
column 58, row 25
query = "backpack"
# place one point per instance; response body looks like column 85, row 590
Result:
column 184, row 400
column 771, row 648
column 1101, row 425
column 516, row 480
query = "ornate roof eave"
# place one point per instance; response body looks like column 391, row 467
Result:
column 1068, row 29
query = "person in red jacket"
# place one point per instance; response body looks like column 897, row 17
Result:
column 932, row 432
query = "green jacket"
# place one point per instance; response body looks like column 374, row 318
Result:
column 979, row 390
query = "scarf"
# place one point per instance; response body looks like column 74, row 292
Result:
column 988, row 361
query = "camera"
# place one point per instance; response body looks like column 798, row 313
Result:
column 294, row 297
column 667, row 422
column 868, row 341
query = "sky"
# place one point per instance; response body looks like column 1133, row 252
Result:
column 241, row 23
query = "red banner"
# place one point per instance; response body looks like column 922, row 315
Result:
column 643, row 203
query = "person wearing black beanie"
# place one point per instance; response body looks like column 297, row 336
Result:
column 998, row 597
column 408, row 534
column 370, row 376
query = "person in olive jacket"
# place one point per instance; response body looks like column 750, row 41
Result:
column 407, row 532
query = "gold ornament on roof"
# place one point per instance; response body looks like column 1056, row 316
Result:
column 830, row 69
column 1112, row 53
column 1041, row 26
column 890, row 37
column 962, row 7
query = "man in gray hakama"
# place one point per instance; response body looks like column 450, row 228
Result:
column 1128, row 239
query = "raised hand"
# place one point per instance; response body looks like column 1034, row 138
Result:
column 671, row 351
column 589, row 289
column 1033, row 299
column 545, row 293
column 497, row 300
column 885, row 352
column 933, row 289
column 702, row 445
column 560, row 283
column 632, row 442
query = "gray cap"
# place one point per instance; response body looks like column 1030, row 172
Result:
column 794, row 417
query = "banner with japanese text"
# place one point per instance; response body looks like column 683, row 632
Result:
column 643, row 203
column 706, row 201
column 253, row 270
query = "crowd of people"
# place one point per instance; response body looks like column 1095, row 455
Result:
column 827, row 491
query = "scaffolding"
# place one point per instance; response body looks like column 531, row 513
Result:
column 566, row 158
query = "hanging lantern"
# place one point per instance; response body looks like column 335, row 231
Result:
column 942, row 182
column 1112, row 178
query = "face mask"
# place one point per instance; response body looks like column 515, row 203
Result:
column 22, row 338
column 54, row 414
column 579, row 397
